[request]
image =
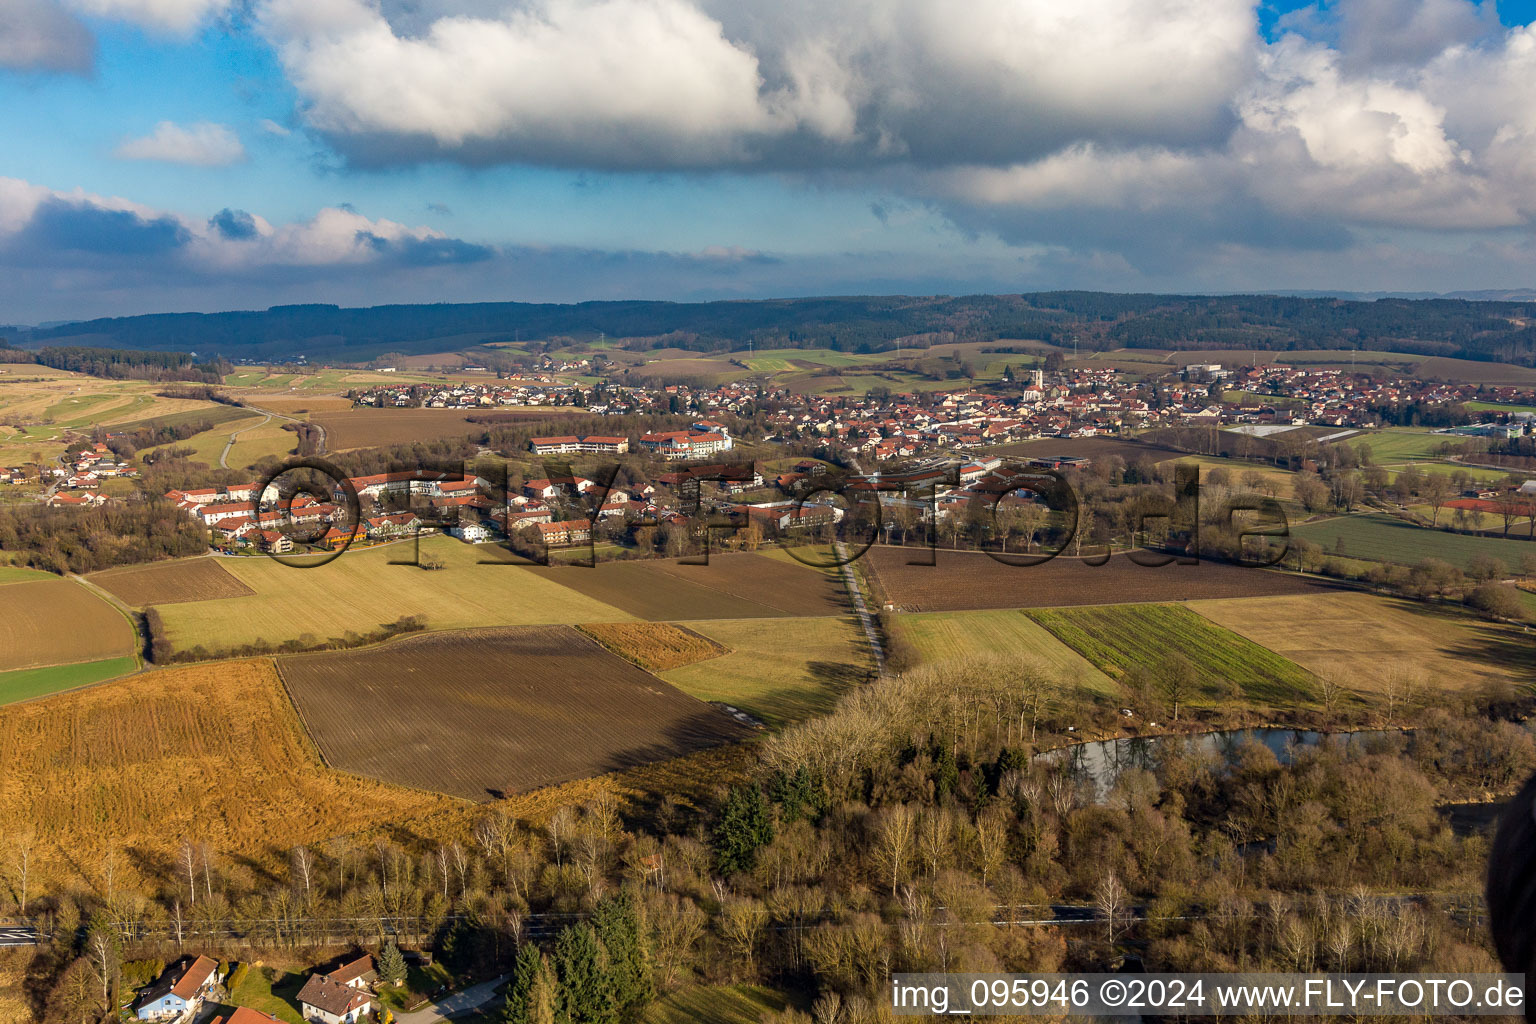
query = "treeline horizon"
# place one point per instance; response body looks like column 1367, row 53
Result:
column 1093, row 321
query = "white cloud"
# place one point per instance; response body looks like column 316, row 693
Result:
column 175, row 17
column 196, row 145
column 271, row 127
column 679, row 83
column 38, row 35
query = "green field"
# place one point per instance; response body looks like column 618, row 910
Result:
column 1122, row 638
column 13, row 574
column 716, row 1004
column 272, row 991
column 1381, row 538
column 360, row 590
column 24, row 684
column 1008, row 633
column 1401, row 444
column 1498, row 407
column 775, row 672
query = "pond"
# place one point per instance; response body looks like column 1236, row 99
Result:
column 1101, row 762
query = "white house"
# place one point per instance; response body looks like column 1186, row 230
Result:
column 181, row 989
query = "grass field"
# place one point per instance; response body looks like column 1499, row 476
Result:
column 1498, row 407
column 1385, row 539
column 1364, row 641
column 143, row 762
column 57, row 622
column 207, row 446
column 360, row 590
column 16, row 574
column 1007, row 633
column 258, row 441
column 187, row 579
column 270, row 990
column 716, row 1004
column 28, row 683
column 1401, row 444
column 483, row 713
column 776, row 671
column 1129, row 637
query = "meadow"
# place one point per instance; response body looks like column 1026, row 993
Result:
column 483, row 713
column 31, row 683
column 1005, row 633
column 1380, row 538
column 360, row 590
column 776, row 671
column 371, row 428
column 1368, row 642
column 1403, row 444
column 1128, row 639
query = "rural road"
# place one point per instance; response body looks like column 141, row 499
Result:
column 18, row 936
column 231, row 442
column 454, row 1005
column 270, row 416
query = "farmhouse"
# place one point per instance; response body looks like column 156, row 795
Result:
column 181, row 989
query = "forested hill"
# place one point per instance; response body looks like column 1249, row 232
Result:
column 1501, row 331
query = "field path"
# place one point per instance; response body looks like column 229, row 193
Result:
column 857, row 594
column 231, row 442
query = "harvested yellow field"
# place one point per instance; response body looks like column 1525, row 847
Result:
column 360, row 591
column 1363, row 641
column 54, row 621
column 211, row 753
column 654, row 646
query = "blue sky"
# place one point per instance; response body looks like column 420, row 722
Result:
column 382, row 150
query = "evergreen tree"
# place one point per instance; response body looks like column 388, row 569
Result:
column 525, row 977
column 745, row 825
column 585, row 990
column 391, row 964
column 620, row 929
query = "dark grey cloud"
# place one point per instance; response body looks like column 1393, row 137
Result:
column 235, row 225
column 65, row 227
column 39, row 35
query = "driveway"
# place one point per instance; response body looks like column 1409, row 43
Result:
column 455, row 1004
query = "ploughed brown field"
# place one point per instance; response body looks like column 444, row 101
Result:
column 964, row 580
column 187, row 579
column 735, row 586
column 482, row 713
column 54, row 621
column 372, row 428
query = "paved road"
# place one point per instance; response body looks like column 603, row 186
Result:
column 18, row 937
column 455, row 1005
column 231, row 442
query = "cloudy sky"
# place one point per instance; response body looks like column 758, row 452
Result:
column 217, row 154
